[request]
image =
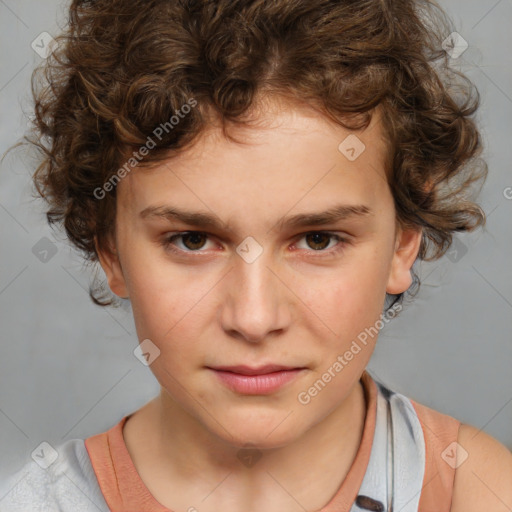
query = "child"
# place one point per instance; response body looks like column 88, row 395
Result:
column 258, row 178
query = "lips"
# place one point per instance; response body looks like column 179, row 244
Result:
column 249, row 370
column 256, row 380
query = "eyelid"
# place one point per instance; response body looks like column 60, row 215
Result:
column 343, row 239
column 168, row 239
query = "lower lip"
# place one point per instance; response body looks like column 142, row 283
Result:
column 257, row 384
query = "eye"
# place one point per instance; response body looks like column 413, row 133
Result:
column 192, row 241
column 318, row 241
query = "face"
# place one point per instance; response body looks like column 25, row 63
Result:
column 256, row 275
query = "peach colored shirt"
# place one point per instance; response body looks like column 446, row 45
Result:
column 124, row 491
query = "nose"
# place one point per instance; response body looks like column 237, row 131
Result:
column 257, row 302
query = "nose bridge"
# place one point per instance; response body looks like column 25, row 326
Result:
column 254, row 306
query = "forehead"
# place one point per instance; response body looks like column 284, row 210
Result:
column 288, row 156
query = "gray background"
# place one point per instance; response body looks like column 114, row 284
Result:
column 67, row 367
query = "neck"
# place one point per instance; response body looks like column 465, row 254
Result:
column 180, row 450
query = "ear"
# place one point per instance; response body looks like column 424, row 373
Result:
column 406, row 250
column 111, row 265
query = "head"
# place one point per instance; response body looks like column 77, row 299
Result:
column 251, row 118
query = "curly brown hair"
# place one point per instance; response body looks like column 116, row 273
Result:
column 122, row 68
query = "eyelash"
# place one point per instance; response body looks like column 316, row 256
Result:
column 168, row 245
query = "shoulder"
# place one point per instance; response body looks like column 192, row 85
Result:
column 483, row 478
column 63, row 481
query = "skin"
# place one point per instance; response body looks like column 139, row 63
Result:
column 293, row 305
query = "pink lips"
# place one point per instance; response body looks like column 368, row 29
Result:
column 256, row 381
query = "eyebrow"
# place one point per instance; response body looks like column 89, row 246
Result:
column 207, row 220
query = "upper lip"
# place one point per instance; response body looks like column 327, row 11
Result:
column 254, row 370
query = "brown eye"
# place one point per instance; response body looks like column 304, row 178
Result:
column 318, row 241
column 193, row 240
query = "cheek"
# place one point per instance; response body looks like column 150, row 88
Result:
column 156, row 297
column 170, row 308
column 349, row 297
column 160, row 312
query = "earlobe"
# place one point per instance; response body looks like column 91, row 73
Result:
column 109, row 261
column 406, row 250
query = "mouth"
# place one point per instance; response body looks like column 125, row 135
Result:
column 260, row 380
